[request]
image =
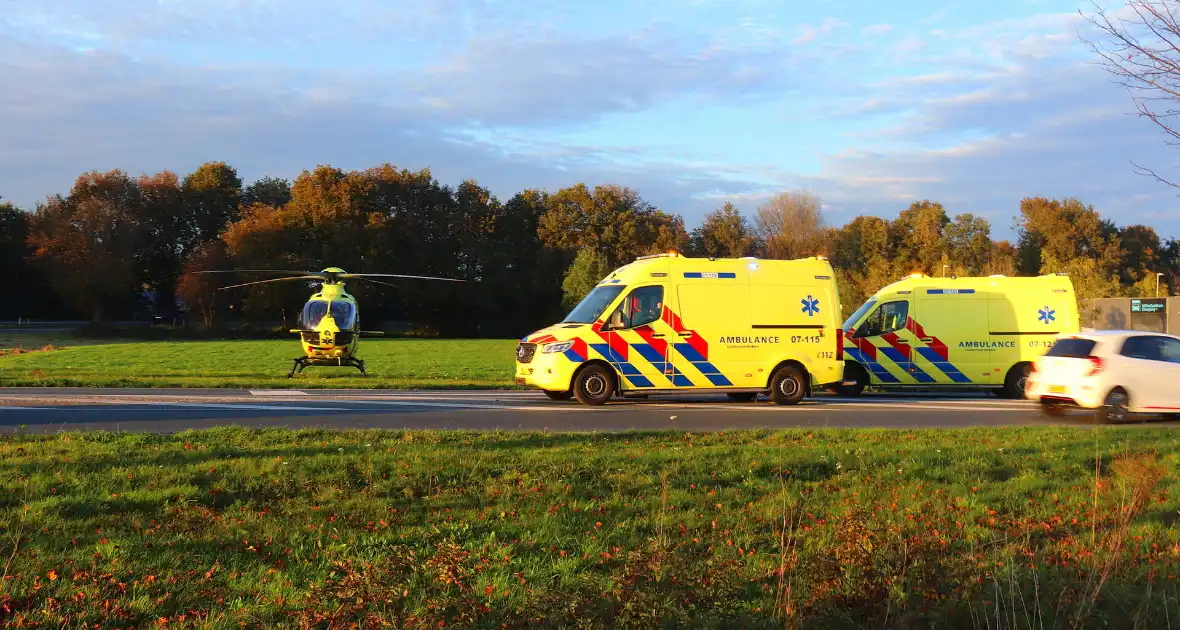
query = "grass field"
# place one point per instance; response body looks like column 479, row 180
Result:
column 1029, row 528
column 391, row 363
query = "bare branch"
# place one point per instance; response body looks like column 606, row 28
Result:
column 1142, row 54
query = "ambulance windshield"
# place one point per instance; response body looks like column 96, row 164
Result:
column 860, row 312
column 593, row 305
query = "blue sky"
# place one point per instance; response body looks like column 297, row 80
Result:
column 868, row 105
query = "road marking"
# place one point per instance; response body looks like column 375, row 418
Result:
column 408, row 403
column 236, row 406
column 822, row 407
column 277, row 392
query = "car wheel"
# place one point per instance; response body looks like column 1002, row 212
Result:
column 1115, row 408
column 787, row 386
column 559, row 395
column 1053, row 408
column 1016, row 380
column 594, row 385
column 742, row 396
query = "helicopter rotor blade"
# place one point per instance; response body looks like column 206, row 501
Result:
column 234, row 286
column 388, row 284
column 396, row 286
column 278, row 271
column 395, row 275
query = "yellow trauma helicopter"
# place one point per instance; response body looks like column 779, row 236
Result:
column 329, row 324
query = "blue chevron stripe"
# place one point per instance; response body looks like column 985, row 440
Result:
column 877, row 370
column 947, row 368
column 639, row 381
column 909, row 366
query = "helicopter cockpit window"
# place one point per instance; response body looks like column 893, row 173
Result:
column 342, row 312
column 313, row 312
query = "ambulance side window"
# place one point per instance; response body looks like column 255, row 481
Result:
column 644, row 305
column 889, row 317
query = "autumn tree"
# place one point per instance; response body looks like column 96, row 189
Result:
column 1142, row 250
column 969, row 244
column 19, row 278
column 264, row 238
column 790, row 225
column 1142, row 53
column 724, row 233
column 860, row 253
column 270, row 191
column 614, row 220
column 1069, row 236
column 1003, row 259
column 1170, row 260
column 212, row 193
column 520, row 288
column 918, row 237
column 198, row 291
column 162, row 244
column 588, row 269
column 86, row 242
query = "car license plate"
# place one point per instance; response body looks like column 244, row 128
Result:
column 1057, row 389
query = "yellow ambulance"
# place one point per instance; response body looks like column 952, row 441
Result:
column 667, row 323
column 978, row 332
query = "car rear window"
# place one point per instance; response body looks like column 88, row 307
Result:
column 1072, row 348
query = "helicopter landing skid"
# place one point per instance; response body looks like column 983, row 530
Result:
column 303, row 362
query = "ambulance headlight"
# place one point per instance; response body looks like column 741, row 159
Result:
column 557, row 347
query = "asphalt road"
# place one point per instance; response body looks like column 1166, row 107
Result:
column 168, row 410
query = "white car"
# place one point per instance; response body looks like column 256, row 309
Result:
column 1116, row 373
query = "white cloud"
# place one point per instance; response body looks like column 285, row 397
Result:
column 986, row 115
column 104, row 111
column 876, row 29
column 1054, row 134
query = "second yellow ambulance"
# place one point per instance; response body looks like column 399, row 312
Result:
column 978, row 332
column 667, row 323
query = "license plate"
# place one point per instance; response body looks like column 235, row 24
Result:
column 1057, row 389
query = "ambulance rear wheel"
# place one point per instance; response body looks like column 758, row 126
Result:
column 1016, row 380
column 594, row 385
column 559, row 395
column 787, row 386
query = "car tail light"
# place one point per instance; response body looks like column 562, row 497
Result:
column 839, row 344
column 1095, row 365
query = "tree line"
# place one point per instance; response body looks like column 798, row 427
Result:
column 118, row 246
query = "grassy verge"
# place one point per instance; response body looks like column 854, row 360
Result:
column 1035, row 527
column 35, row 361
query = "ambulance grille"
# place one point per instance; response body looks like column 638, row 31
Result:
column 525, row 352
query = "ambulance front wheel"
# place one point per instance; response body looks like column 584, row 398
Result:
column 854, row 374
column 788, row 386
column 594, row 385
